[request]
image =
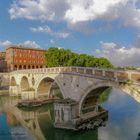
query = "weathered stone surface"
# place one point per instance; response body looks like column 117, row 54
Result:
column 4, row 80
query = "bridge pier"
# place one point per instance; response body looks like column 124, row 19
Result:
column 67, row 116
column 14, row 90
column 66, row 112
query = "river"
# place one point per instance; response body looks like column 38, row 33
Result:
column 37, row 124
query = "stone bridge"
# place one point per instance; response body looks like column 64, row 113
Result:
column 80, row 84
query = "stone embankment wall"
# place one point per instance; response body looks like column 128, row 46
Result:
column 4, row 81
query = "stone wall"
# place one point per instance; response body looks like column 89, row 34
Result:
column 136, row 77
column 4, row 81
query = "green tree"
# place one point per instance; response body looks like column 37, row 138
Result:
column 56, row 57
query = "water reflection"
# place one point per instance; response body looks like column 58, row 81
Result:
column 58, row 134
column 10, row 130
column 124, row 114
column 123, row 122
column 138, row 138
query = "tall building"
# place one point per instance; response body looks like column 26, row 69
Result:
column 19, row 57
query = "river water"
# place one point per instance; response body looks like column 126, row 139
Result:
column 22, row 124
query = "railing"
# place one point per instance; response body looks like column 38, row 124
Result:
column 109, row 74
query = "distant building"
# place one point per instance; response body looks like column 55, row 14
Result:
column 19, row 57
column 3, row 66
column 2, row 55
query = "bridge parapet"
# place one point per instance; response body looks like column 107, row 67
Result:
column 108, row 74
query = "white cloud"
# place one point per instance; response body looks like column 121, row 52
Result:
column 47, row 29
column 28, row 43
column 4, row 44
column 130, row 16
column 39, row 9
column 31, row 44
column 107, row 10
column 75, row 11
column 119, row 55
column 82, row 10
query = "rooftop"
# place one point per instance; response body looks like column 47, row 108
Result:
column 24, row 48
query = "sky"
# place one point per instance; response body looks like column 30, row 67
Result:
column 102, row 28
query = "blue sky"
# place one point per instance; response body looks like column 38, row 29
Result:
column 108, row 28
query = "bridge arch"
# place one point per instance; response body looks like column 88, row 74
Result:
column 24, row 84
column 46, row 85
column 93, row 92
column 13, row 81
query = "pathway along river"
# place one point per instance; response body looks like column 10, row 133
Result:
column 123, row 122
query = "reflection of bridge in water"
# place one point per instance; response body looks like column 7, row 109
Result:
column 39, row 122
column 28, row 119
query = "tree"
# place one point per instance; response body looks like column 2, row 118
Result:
column 56, row 57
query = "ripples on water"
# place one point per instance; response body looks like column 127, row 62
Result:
column 123, row 122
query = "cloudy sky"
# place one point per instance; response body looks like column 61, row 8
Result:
column 108, row 28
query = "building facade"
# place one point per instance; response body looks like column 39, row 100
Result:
column 18, row 57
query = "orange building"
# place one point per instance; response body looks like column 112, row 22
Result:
column 19, row 57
